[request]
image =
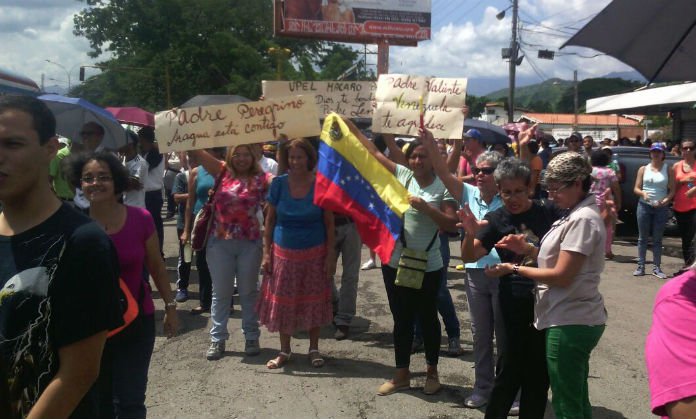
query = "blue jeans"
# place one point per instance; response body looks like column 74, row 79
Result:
column 130, row 352
column 650, row 219
column 445, row 306
column 227, row 260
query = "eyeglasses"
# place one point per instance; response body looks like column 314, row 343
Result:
column 554, row 191
column 508, row 195
column 484, row 170
column 88, row 180
column 241, row 156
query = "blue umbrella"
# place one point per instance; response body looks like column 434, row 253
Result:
column 72, row 113
column 492, row 134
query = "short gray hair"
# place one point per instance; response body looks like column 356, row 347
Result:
column 512, row 168
column 491, row 157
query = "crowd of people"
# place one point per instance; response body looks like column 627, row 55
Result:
column 81, row 234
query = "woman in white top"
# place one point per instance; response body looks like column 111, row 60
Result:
column 655, row 187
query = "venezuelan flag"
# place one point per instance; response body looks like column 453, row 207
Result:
column 351, row 181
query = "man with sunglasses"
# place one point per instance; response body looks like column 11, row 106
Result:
column 58, row 279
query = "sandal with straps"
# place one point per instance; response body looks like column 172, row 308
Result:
column 315, row 358
column 279, row 361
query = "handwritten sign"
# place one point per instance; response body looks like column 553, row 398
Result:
column 403, row 101
column 236, row 123
column 348, row 98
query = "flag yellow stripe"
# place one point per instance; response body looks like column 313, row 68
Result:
column 382, row 180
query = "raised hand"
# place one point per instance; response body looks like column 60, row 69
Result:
column 468, row 221
column 516, row 243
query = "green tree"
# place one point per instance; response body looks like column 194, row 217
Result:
column 201, row 47
column 591, row 88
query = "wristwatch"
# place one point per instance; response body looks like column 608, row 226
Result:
column 171, row 304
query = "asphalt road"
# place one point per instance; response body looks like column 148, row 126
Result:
column 183, row 384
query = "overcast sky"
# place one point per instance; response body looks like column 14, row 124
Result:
column 466, row 40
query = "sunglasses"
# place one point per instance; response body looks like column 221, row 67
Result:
column 484, row 170
column 688, row 148
column 86, row 133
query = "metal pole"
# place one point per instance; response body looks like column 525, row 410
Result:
column 575, row 100
column 382, row 57
column 513, row 64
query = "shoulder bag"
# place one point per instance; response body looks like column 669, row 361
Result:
column 204, row 219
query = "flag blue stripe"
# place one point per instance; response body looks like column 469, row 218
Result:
column 341, row 172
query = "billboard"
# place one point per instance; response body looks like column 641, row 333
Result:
column 401, row 22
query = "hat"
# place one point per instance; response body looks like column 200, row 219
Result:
column 475, row 134
column 659, row 147
column 568, row 167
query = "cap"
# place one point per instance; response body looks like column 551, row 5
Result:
column 659, row 147
column 474, row 133
column 568, row 167
column 576, row 135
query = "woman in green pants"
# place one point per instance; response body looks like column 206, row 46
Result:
column 568, row 303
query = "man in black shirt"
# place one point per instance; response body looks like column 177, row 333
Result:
column 58, row 279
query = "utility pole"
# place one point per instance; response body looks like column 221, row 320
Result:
column 575, row 99
column 513, row 64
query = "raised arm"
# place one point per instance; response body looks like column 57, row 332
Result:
column 454, row 156
column 452, row 183
column 395, row 153
column 384, row 160
column 190, row 203
column 210, row 163
column 523, row 141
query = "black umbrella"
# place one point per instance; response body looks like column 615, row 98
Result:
column 657, row 38
column 492, row 134
column 207, row 100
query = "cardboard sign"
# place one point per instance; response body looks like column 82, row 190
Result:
column 348, row 98
column 182, row 129
column 405, row 101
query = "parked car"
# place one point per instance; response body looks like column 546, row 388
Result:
column 630, row 159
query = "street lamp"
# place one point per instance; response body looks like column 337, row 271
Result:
column 64, row 69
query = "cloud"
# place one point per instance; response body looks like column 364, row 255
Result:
column 42, row 30
column 473, row 48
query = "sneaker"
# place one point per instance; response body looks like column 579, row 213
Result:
column 475, row 401
column 370, row 264
column 417, row 345
column 658, row 273
column 252, row 348
column 640, row 271
column 515, row 409
column 459, row 267
column 454, row 347
column 215, row 350
column 342, row 332
column 181, row 295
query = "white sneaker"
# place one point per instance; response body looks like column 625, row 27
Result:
column 370, row 264
column 515, row 409
column 475, row 401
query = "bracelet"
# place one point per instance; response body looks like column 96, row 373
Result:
column 171, row 304
column 516, row 269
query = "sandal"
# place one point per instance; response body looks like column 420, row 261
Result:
column 279, row 361
column 315, row 358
